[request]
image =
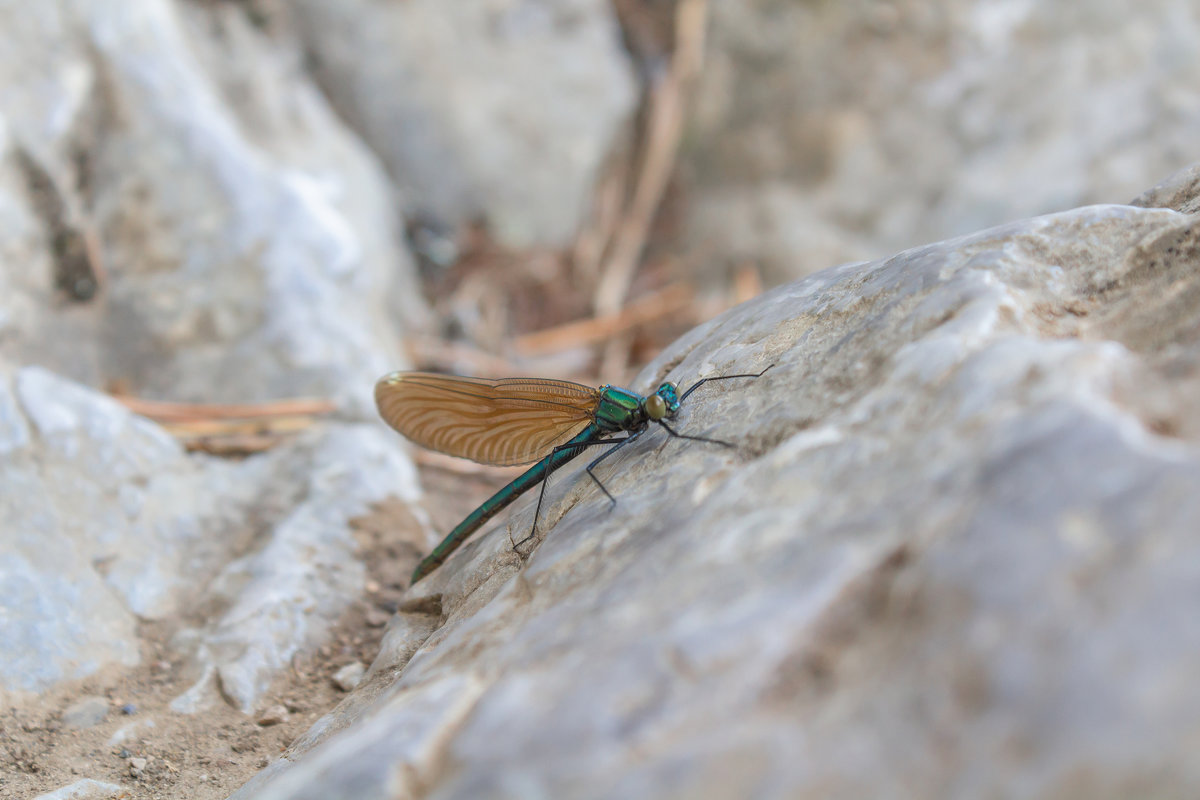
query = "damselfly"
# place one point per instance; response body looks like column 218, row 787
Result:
column 510, row 421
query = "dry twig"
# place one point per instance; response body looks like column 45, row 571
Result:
column 167, row 411
column 230, row 429
column 461, row 466
column 664, row 129
column 658, row 305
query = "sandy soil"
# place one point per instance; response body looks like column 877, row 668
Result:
column 210, row 754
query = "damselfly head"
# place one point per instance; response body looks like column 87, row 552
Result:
column 663, row 403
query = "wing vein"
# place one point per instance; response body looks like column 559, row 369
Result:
column 505, row 421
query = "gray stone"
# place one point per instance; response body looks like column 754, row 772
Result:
column 287, row 593
column 86, row 789
column 105, row 520
column 272, row 715
column 61, row 619
column 828, row 132
column 953, row 554
column 251, row 242
column 349, row 676
column 130, row 731
column 85, row 712
column 458, row 99
column 112, row 508
column 1179, row 191
column 250, row 250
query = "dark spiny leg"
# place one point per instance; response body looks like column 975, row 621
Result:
column 672, row 431
column 542, row 491
column 696, row 386
column 605, row 455
column 703, row 381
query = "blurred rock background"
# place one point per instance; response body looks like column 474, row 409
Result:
column 830, row 132
column 233, row 215
column 225, row 200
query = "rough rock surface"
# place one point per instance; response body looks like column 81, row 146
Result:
column 85, row 712
column 104, row 520
column 830, row 132
column 501, row 111
column 250, row 240
column 86, row 789
column 954, row 554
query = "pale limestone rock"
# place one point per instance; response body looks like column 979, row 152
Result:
column 954, row 554
column 828, row 132
column 349, row 676
column 105, row 520
column 86, row 789
column 272, row 715
column 85, row 712
column 249, row 240
column 500, row 111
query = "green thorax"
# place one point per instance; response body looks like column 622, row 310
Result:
column 622, row 410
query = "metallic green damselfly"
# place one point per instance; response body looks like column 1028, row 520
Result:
column 510, row 421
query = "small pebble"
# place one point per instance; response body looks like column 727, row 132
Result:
column 86, row 788
column 85, row 712
column 129, row 731
column 137, row 765
column 82, row 766
column 129, row 709
column 376, row 617
column 349, row 676
column 272, row 715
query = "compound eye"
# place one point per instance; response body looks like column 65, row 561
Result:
column 656, row 407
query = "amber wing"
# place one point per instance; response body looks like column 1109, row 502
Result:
column 505, row 421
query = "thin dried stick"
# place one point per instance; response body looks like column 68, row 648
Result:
column 242, row 445
column 262, row 426
column 164, row 411
column 230, row 429
column 595, row 237
column 664, row 130
column 663, row 133
column 461, row 466
column 423, row 350
column 747, row 282
column 663, row 303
